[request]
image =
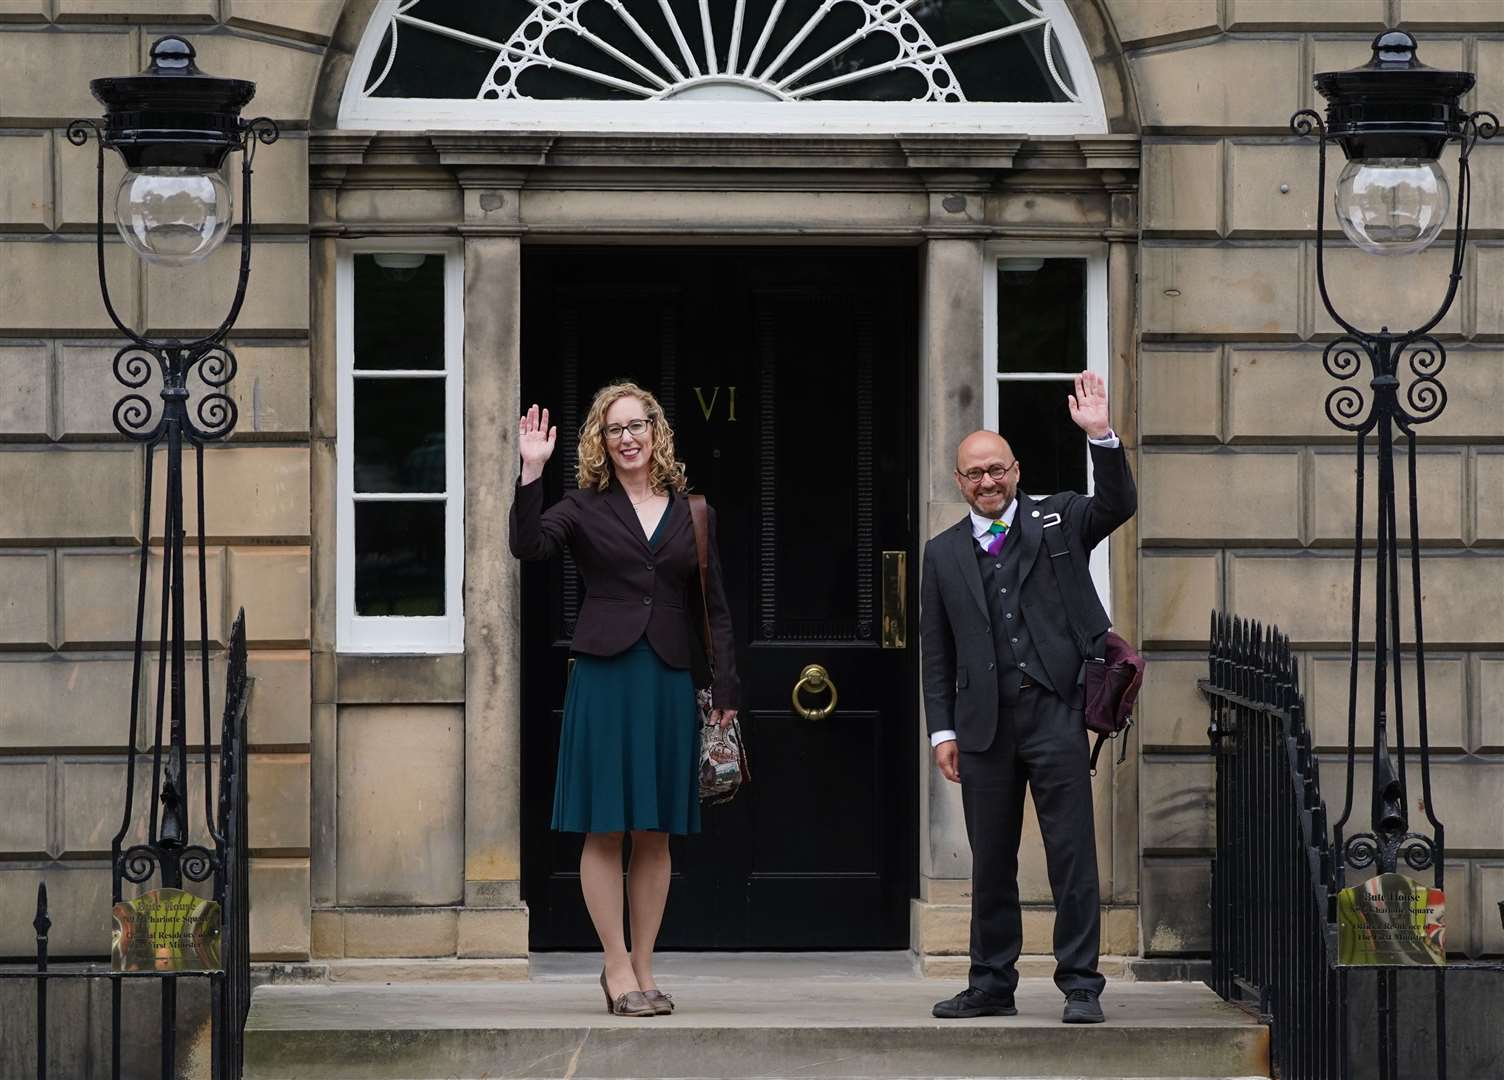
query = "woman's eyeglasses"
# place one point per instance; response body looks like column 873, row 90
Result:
column 637, row 428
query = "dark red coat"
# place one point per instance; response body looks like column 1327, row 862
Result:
column 631, row 589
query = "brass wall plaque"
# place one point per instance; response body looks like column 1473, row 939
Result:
column 1391, row 919
column 166, row 930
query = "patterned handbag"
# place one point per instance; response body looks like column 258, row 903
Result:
column 723, row 754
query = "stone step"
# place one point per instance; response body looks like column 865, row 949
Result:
column 751, row 1021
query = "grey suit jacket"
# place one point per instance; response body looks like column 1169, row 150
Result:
column 959, row 660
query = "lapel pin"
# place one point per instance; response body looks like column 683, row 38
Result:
column 1034, row 514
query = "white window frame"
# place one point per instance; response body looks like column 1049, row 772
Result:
column 1097, row 354
column 1086, row 117
column 397, row 634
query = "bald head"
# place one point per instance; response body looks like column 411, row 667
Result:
column 982, row 444
column 979, row 454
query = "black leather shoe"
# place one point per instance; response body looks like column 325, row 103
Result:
column 973, row 1002
column 1082, row 1007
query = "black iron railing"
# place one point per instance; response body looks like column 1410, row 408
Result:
column 1273, row 881
column 230, row 989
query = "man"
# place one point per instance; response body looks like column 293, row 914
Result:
column 1003, row 702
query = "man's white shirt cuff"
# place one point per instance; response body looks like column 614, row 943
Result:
column 941, row 736
column 1110, row 440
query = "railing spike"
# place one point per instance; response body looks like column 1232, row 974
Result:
column 42, row 924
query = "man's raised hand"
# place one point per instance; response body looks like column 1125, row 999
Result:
column 1088, row 405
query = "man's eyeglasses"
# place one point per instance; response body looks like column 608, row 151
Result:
column 997, row 472
column 637, row 428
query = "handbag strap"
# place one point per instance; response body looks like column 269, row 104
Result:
column 1063, row 562
column 700, row 516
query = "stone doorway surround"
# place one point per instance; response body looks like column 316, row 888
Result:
column 952, row 195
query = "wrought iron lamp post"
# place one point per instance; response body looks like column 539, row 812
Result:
column 1392, row 118
column 175, row 126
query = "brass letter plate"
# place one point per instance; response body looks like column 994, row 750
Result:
column 895, row 599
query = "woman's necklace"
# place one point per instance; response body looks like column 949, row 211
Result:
column 638, row 502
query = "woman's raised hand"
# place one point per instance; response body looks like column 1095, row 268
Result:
column 535, row 441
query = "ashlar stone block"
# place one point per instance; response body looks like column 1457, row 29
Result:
column 314, row 18
column 1227, row 497
column 1439, row 14
column 1204, row 87
column 1489, row 51
column 276, row 294
column 1446, row 701
column 279, row 802
column 279, row 909
column 1171, row 711
column 92, row 801
column 1180, row 395
column 1488, row 495
column 1177, row 804
column 285, row 72
column 1272, row 188
column 1440, row 495
column 70, row 494
column 280, row 183
column 1224, row 290
column 250, row 492
column 401, row 805
column 1176, row 906
column 189, row 11
column 46, row 75
column 72, row 893
column 369, row 934
column 25, row 373
column 1489, row 883
column 272, row 585
column 1487, row 272
column 1488, row 707
column 97, row 595
column 1467, row 794
column 278, row 719
column 1141, row 22
column 24, row 10
column 25, row 183
column 56, row 703
column 77, row 171
column 53, row 285
column 25, row 598
column 1176, row 596
column 24, row 789
column 1305, row 15
column 497, row 933
column 1310, row 596
column 1182, row 187
column 1368, row 292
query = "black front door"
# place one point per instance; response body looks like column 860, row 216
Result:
column 789, row 378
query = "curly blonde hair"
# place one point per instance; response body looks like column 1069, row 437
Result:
column 594, row 466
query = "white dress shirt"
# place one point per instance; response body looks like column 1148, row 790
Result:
column 980, row 530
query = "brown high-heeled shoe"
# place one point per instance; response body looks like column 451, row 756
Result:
column 662, row 1004
column 632, row 1003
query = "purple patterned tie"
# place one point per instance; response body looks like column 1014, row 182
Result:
column 999, row 531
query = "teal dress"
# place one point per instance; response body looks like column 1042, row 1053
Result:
column 629, row 751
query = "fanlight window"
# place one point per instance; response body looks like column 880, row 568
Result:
column 739, row 64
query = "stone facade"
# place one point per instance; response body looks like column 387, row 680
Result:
column 384, row 790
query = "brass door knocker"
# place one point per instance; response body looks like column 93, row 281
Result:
column 814, row 679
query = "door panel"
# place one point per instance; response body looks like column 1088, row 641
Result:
column 788, row 377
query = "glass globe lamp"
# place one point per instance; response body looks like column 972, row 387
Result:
column 1392, row 206
column 172, row 215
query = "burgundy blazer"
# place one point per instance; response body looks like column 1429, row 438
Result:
column 631, row 589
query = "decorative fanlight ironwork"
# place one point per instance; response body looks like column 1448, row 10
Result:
column 712, row 50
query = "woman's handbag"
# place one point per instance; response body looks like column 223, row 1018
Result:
column 1112, row 670
column 723, row 755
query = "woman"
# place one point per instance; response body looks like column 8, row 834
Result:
column 629, row 749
